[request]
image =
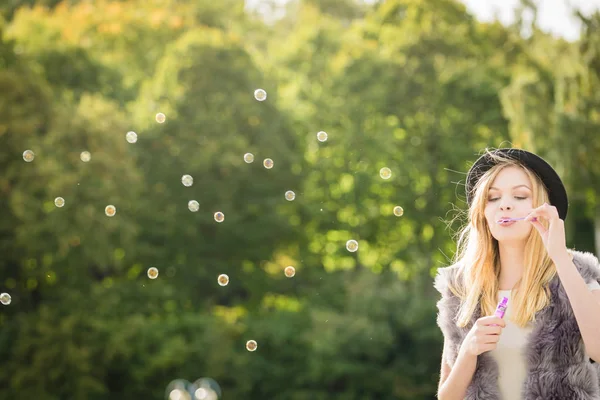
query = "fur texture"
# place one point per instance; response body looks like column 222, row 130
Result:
column 557, row 368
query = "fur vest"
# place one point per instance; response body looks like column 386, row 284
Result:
column 557, row 368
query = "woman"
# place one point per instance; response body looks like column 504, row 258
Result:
column 547, row 342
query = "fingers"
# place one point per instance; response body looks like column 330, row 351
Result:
column 545, row 210
column 490, row 320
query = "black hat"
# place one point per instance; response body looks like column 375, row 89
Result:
column 556, row 190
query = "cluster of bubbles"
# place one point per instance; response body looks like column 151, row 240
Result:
column 202, row 389
column 206, row 388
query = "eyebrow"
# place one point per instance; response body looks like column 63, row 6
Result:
column 514, row 187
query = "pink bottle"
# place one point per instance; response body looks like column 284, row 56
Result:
column 501, row 309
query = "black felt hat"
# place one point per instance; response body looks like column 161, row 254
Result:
column 553, row 183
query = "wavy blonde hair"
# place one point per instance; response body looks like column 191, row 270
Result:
column 478, row 257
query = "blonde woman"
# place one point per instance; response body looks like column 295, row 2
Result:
column 547, row 345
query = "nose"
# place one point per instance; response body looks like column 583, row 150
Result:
column 505, row 207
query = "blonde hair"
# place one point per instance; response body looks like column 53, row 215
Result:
column 478, row 257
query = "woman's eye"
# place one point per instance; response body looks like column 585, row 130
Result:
column 516, row 197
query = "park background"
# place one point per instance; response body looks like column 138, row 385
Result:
column 417, row 86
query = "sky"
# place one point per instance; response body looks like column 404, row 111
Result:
column 553, row 15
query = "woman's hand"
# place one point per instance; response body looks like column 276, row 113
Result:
column 483, row 336
column 553, row 237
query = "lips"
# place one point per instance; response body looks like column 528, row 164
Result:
column 506, row 223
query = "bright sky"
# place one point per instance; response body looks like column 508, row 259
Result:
column 553, row 15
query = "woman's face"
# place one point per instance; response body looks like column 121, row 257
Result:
column 510, row 196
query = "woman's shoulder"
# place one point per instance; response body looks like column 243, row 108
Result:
column 587, row 264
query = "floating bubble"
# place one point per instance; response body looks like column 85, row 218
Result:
column 5, row 299
column 219, row 216
column 131, row 137
column 85, row 156
column 206, row 389
column 28, row 155
column 260, row 95
column 290, row 271
column 110, row 210
column 193, row 205
column 179, row 394
column 290, row 195
column 223, row 280
column 178, row 390
column 59, row 202
column 322, row 136
column 385, row 173
column 352, row 245
column 249, row 158
column 160, row 118
column 268, row 163
column 398, row 211
column 251, row 345
column 152, row 272
column 187, row 180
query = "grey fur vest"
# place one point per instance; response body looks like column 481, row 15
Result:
column 557, row 368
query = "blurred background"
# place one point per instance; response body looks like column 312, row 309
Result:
column 124, row 275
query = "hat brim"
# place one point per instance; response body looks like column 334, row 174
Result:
column 554, row 185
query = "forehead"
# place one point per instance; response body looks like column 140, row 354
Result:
column 509, row 177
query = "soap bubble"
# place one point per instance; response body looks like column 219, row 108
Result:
column 322, row 136
column 152, row 272
column 5, row 299
column 85, row 156
column 223, row 280
column 249, row 158
column 206, row 389
column 251, row 345
column 131, row 137
column 268, row 163
column 385, row 173
column 219, row 216
column 187, row 180
column 260, row 95
column 398, row 211
column 28, row 155
column 59, row 202
column 160, row 118
column 193, row 205
column 110, row 210
column 290, row 271
column 290, row 196
column 352, row 245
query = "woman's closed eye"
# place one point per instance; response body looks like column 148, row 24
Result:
column 516, row 197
